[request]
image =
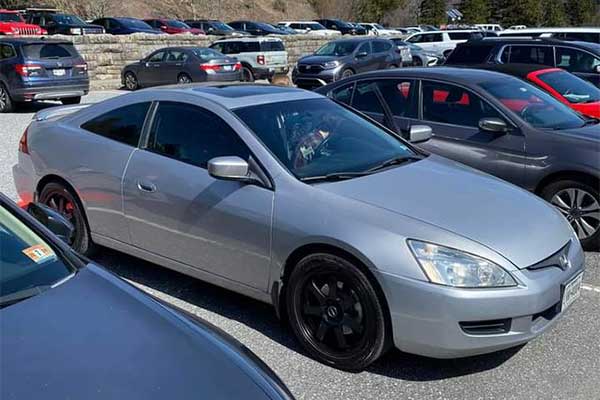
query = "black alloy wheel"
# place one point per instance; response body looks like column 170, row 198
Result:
column 184, row 79
column 6, row 104
column 59, row 198
column 335, row 313
column 131, row 81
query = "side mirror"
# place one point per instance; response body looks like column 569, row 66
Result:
column 362, row 54
column 53, row 220
column 420, row 133
column 210, row 30
column 494, row 125
column 229, row 169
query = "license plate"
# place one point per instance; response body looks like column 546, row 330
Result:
column 58, row 72
column 571, row 291
column 227, row 67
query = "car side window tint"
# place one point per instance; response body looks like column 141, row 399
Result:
column 454, row 105
column 176, row 56
column 343, row 94
column 415, row 39
column 542, row 55
column 574, row 60
column 123, row 124
column 401, row 96
column 505, row 55
column 193, row 135
column 364, row 48
column 6, row 51
column 379, row 47
column 365, row 98
column 157, row 57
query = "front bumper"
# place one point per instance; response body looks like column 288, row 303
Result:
column 33, row 92
column 269, row 72
column 426, row 318
column 224, row 77
column 312, row 81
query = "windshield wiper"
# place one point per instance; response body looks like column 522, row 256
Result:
column 21, row 295
column 591, row 121
column 333, row 177
column 395, row 161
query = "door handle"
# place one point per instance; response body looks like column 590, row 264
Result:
column 146, row 187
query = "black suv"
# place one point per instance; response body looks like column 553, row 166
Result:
column 40, row 69
column 579, row 58
column 344, row 27
column 63, row 24
column 214, row 27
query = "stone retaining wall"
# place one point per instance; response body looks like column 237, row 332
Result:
column 106, row 55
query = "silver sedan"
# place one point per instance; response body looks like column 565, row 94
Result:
column 359, row 239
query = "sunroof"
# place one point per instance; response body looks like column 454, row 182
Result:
column 244, row 90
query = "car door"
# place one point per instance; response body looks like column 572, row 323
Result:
column 380, row 54
column 174, row 65
column 175, row 209
column 454, row 113
column 364, row 58
column 579, row 62
column 151, row 71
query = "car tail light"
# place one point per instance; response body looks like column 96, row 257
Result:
column 28, row 70
column 260, row 59
column 210, row 67
column 23, row 148
column 237, row 66
column 82, row 67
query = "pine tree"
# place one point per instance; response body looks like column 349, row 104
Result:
column 523, row 12
column 581, row 11
column 375, row 10
column 554, row 13
column 433, row 12
column 475, row 11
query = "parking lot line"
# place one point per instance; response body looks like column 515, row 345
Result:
column 591, row 288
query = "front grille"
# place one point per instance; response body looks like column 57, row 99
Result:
column 493, row 327
column 310, row 69
column 91, row 31
column 27, row 31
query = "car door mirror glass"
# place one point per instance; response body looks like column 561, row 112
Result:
column 229, row 168
column 420, row 133
column 494, row 125
column 52, row 220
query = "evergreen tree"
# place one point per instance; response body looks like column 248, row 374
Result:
column 475, row 11
column 433, row 12
column 523, row 12
column 581, row 12
column 554, row 13
column 375, row 10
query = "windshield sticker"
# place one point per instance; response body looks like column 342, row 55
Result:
column 40, row 253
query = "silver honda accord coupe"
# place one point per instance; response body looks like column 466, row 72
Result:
column 359, row 239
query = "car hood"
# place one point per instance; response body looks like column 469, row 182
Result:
column 516, row 224
column 590, row 132
column 97, row 337
column 314, row 59
column 20, row 24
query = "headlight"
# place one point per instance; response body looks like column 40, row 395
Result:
column 75, row 31
column 331, row 64
column 451, row 267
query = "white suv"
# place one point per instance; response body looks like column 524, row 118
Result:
column 261, row 57
column 309, row 28
column 378, row 30
column 443, row 42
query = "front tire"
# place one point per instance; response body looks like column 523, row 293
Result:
column 247, row 75
column 335, row 312
column 580, row 204
column 58, row 197
column 131, row 81
column 184, row 79
column 347, row 73
column 6, row 103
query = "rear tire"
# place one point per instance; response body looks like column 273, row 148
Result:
column 131, row 81
column 71, row 100
column 344, row 327
column 58, row 197
column 347, row 73
column 184, row 79
column 580, row 204
column 247, row 75
column 6, row 103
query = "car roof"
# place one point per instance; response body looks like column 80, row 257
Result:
column 528, row 40
column 22, row 41
column 237, row 95
column 555, row 30
column 460, row 75
column 249, row 39
column 519, row 70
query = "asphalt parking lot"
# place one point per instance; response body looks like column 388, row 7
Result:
column 562, row 364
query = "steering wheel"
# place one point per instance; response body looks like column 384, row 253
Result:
column 316, row 150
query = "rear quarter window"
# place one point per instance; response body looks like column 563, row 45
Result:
column 470, row 55
column 49, row 50
column 274, row 45
column 123, row 124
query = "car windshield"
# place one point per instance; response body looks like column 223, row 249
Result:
column 207, row 54
column 67, row 19
column 342, row 24
column 221, row 26
column 135, row 23
column 533, row 105
column 265, row 26
column 177, row 24
column 10, row 17
column 317, row 137
column 28, row 264
column 572, row 88
column 338, row 49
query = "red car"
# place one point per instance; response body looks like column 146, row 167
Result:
column 12, row 24
column 172, row 26
column 580, row 95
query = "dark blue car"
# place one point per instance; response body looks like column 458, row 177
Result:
column 40, row 69
column 69, row 329
column 125, row 26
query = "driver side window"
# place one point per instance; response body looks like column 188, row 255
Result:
column 157, row 57
column 364, row 48
column 449, row 104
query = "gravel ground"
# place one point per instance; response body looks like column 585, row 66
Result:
column 562, row 364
